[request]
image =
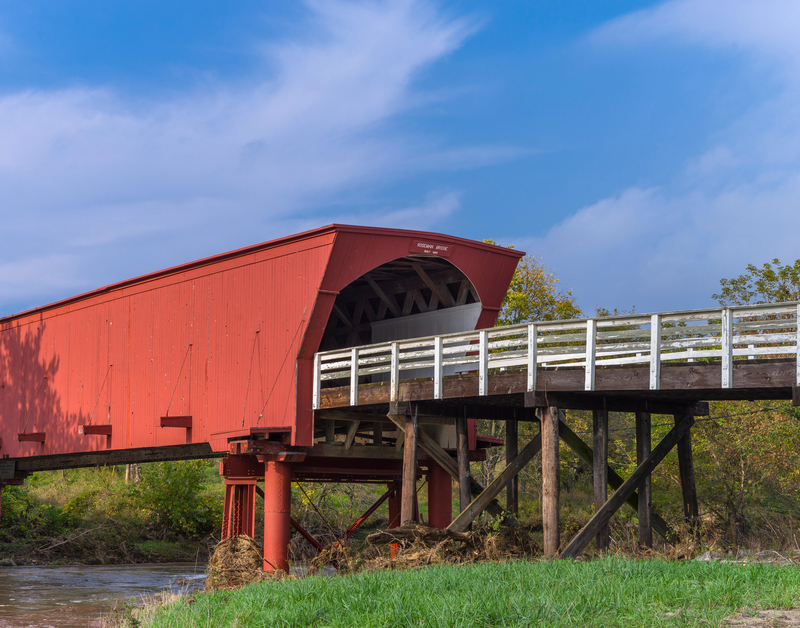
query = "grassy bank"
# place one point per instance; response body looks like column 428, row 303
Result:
column 609, row 592
column 92, row 516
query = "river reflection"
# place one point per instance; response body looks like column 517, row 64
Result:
column 79, row 595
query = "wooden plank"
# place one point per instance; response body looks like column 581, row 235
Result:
column 176, row 421
column 621, row 495
column 645, row 505
column 408, row 303
column 483, row 363
column 117, row 456
column 797, row 348
column 655, row 352
column 532, row 364
column 385, row 298
column 462, row 445
column 444, row 460
column 351, row 434
column 342, row 316
column 409, row 471
column 591, row 348
column 551, row 418
column 512, row 450
column 479, row 504
column 400, row 286
column 437, row 367
column 33, row 437
column 441, row 291
column 600, row 470
column 727, row 349
column 420, row 301
column 615, row 403
column 585, row 453
column 103, row 430
column 463, row 292
column 688, row 486
column 394, row 374
column 680, row 384
column 354, row 376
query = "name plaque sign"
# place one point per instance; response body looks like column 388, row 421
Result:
column 426, row 247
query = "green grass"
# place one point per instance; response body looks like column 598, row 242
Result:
column 609, row 592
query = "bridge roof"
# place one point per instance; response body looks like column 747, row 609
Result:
column 311, row 234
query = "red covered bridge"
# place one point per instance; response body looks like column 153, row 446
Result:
column 212, row 356
column 346, row 354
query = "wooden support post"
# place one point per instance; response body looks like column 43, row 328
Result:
column 688, row 487
column 550, row 479
column 409, row 470
column 478, row 505
column 614, row 480
column 435, row 451
column 645, row 505
column 352, row 429
column 462, row 448
column 330, row 430
column 377, row 433
column 600, row 470
column 620, row 496
column 512, row 449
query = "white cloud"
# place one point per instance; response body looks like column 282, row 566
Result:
column 434, row 210
column 81, row 169
column 738, row 202
column 28, row 276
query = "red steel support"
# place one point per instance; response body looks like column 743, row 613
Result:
column 239, row 514
column 352, row 529
column 305, row 534
column 277, row 498
column 440, row 497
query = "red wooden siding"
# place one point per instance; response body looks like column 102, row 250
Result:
column 227, row 340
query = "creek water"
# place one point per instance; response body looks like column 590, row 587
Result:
column 78, row 596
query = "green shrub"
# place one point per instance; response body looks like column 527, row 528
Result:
column 172, row 493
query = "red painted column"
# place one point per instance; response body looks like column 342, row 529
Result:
column 277, row 499
column 440, row 497
column 226, row 512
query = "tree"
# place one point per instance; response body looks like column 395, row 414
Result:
column 772, row 283
column 535, row 295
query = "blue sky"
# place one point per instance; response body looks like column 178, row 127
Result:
column 643, row 149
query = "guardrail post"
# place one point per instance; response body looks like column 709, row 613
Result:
column 394, row 373
column 532, row 333
column 354, row 376
column 317, row 382
column 438, row 350
column 655, row 352
column 797, row 343
column 591, row 342
column 727, row 349
column 483, row 363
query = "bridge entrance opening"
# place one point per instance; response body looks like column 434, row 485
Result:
column 406, row 298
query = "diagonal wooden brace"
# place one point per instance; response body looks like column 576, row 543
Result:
column 585, row 453
column 443, row 459
column 479, row 504
column 621, row 495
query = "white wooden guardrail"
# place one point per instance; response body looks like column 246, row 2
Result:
column 711, row 335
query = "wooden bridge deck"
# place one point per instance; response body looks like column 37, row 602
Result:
column 669, row 363
column 733, row 353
